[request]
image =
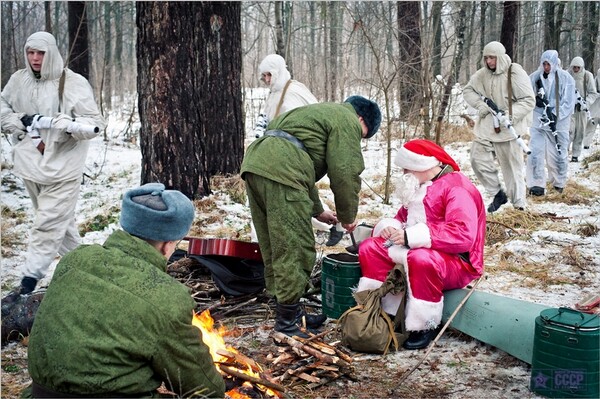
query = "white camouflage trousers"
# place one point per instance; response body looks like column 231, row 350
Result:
column 509, row 155
column 544, row 155
column 54, row 230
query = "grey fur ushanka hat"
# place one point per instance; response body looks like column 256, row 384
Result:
column 153, row 213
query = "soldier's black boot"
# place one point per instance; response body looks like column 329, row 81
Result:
column 312, row 321
column 286, row 319
column 499, row 199
column 334, row 237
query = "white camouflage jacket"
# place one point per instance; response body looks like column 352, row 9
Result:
column 25, row 94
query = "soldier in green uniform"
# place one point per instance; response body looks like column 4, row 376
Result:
column 113, row 323
column 280, row 170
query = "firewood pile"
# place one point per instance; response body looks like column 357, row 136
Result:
column 292, row 361
column 310, row 361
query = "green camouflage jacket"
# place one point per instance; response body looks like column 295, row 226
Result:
column 114, row 322
column 332, row 136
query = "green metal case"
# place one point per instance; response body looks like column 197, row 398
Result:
column 566, row 354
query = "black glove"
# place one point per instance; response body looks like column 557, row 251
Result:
column 27, row 120
column 577, row 107
column 539, row 102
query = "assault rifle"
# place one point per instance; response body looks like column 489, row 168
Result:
column 547, row 118
column 583, row 106
column 499, row 116
column 35, row 122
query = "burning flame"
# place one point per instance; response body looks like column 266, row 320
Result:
column 215, row 342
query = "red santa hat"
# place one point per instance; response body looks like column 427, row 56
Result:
column 422, row 155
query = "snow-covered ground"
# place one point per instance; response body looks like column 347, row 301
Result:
column 113, row 166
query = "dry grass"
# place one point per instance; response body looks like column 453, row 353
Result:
column 456, row 134
column 100, row 221
column 10, row 238
column 232, row 185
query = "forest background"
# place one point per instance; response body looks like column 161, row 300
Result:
column 187, row 70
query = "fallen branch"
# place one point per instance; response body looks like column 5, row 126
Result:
column 249, row 378
column 432, row 345
column 279, row 337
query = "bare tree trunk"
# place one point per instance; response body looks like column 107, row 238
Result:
column 117, row 59
column 280, row 42
column 590, row 31
column 510, row 21
column 454, row 72
column 553, row 24
column 107, row 72
column 48, row 16
column 409, row 43
column 78, row 39
column 436, row 16
column 189, row 60
column 482, row 27
column 333, row 50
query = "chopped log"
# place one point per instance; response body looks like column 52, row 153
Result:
column 306, row 377
column 252, row 379
column 279, row 337
column 319, row 346
column 240, row 359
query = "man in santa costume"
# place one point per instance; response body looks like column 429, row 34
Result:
column 438, row 236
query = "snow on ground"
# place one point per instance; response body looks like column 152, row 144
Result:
column 113, row 166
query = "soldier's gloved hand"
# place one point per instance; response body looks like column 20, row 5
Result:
column 539, row 102
column 483, row 111
column 12, row 125
column 577, row 107
column 27, row 120
column 261, row 125
column 61, row 122
column 503, row 119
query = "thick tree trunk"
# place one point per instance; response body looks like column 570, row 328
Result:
column 590, row 32
column 78, row 39
column 410, row 58
column 189, row 67
column 510, row 25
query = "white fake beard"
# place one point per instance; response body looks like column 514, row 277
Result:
column 407, row 187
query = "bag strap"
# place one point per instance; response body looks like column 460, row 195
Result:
column 392, row 335
column 282, row 96
column 61, row 90
column 510, row 99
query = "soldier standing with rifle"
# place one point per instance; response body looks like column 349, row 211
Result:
column 582, row 123
column 500, row 85
column 549, row 143
column 44, row 107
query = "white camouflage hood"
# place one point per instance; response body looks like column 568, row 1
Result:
column 275, row 65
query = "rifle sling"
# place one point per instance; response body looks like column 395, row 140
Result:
column 282, row 96
column 61, row 90
column 510, row 99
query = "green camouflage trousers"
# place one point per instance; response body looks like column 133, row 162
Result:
column 282, row 219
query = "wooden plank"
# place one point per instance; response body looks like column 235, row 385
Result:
column 503, row 322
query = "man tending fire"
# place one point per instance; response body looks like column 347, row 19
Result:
column 113, row 323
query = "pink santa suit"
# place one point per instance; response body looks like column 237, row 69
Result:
column 444, row 228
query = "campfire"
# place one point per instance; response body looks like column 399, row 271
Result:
column 245, row 374
column 298, row 361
